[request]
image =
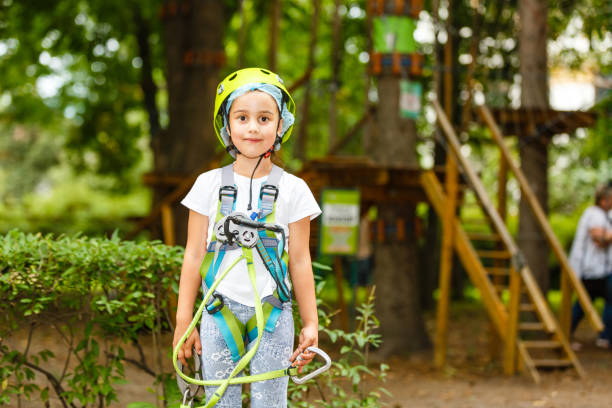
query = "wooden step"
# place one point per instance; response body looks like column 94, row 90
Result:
column 527, row 307
column 542, row 344
column 474, row 221
column 498, row 271
column 551, row 362
column 493, row 254
column 529, row 326
column 481, row 236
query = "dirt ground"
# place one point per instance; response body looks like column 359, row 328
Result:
column 470, row 380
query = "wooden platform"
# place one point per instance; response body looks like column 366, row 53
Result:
column 541, row 123
column 376, row 183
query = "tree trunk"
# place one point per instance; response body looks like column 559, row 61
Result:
column 335, row 68
column 396, row 269
column 299, row 150
column 275, row 16
column 533, row 153
column 193, row 42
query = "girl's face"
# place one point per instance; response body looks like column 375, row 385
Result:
column 254, row 123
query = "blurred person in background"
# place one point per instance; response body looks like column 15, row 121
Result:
column 591, row 258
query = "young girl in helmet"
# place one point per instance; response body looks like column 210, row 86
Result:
column 253, row 115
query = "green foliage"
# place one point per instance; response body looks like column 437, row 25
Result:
column 343, row 385
column 100, row 295
column 114, row 290
column 84, row 50
column 75, row 204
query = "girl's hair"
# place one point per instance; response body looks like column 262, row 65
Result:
column 602, row 191
column 276, row 159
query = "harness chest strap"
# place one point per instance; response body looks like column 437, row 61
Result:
column 235, row 333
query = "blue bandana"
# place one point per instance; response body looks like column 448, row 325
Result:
column 271, row 90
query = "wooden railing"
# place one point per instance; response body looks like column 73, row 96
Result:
column 569, row 280
column 498, row 224
column 505, row 318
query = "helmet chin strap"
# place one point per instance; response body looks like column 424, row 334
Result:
column 265, row 155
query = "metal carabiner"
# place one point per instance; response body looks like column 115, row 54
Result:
column 189, row 390
column 316, row 372
column 186, row 404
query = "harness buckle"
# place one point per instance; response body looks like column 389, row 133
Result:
column 228, row 191
column 216, row 308
column 269, row 189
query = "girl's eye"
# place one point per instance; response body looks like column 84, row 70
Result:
column 242, row 118
column 264, row 119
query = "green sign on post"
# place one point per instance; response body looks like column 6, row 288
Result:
column 394, row 34
column 410, row 99
column 340, row 222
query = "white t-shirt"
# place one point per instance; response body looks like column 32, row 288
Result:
column 295, row 201
column 589, row 260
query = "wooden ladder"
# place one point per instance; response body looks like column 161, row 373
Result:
column 510, row 294
column 520, row 313
column 539, row 340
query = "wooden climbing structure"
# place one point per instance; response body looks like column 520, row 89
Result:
column 532, row 337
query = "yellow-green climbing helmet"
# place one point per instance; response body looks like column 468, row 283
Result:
column 243, row 77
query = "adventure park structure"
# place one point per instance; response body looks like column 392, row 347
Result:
column 532, row 337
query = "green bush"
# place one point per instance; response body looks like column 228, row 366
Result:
column 115, row 289
column 343, row 385
column 101, row 295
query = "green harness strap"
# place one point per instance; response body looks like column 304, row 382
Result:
column 246, row 358
column 237, row 334
column 234, row 332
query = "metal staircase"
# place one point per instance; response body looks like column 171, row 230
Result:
column 533, row 339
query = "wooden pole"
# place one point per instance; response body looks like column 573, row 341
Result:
column 565, row 308
column 448, row 225
column 446, row 262
column 566, row 268
column 168, row 224
column 168, row 234
column 502, row 180
column 513, row 314
column 344, row 321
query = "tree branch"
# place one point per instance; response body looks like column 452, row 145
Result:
column 70, row 349
column 143, row 366
column 57, row 386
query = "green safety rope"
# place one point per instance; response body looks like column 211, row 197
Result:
column 247, row 254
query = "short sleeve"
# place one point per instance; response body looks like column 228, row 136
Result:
column 303, row 203
column 597, row 218
column 197, row 199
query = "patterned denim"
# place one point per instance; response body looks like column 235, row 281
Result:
column 273, row 354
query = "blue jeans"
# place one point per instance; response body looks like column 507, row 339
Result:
column 273, row 354
column 597, row 288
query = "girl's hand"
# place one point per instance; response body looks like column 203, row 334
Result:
column 309, row 336
column 192, row 341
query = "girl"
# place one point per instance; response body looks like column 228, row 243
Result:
column 253, row 115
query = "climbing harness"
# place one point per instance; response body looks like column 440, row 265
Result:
column 236, row 231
